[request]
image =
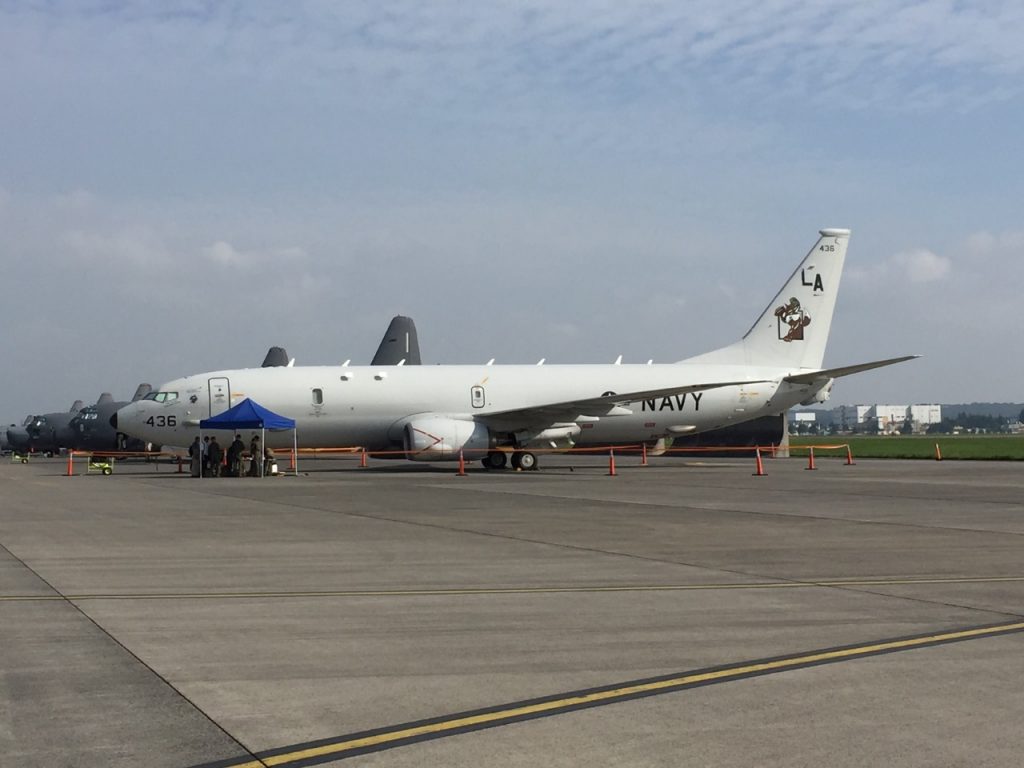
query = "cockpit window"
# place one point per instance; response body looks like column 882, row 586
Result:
column 162, row 397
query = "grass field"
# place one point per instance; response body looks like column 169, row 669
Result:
column 980, row 447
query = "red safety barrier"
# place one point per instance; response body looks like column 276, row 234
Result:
column 810, row 459
column 611, row 463
column 760, row 464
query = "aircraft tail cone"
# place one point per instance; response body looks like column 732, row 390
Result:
column 810, row 459
column 760, row 464
column 611, row 463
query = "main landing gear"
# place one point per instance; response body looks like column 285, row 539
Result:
column 521, row 460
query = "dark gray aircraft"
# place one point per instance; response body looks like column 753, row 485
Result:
column 46, row 433
column 400, row 345
column 92, row 431
column 276, row 358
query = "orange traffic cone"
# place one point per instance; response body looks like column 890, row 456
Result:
column 810, row 459
column 71, row 458
column 611, row 463
column 462, row 465
column 849, row 456
column 760, row 464
column 643, row 454
column 938, row 453
column 362, row 459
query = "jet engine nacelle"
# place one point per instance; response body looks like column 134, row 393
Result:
column 433, row 438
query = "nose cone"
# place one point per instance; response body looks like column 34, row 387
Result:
column 17, row 437
column 128, row 420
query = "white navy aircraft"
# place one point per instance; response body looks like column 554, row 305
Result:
column 509, row 412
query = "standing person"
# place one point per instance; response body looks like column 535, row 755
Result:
column 235, row 451
column 195, row 451
column 215, row 454
column 268, row 459
column 256, row 457
column 206, row 456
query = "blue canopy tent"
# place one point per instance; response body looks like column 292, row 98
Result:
column 249, row 414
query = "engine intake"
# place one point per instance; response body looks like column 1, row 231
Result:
column 436, row 438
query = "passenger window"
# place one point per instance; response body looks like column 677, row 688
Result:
column 318, row 397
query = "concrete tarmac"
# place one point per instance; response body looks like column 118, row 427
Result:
column 681, row 614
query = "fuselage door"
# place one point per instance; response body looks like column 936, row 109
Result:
column 220, row 395
column 476, row 396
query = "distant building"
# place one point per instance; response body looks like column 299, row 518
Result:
column 887, row 419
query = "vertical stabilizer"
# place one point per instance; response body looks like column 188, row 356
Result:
column 75, row 408
column 399, row 343
column 793, row 331
column 141, row 391
column 276, row 358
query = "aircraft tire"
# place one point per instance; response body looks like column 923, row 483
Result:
column 527, row 461
column 496, row 460
column 485, row 462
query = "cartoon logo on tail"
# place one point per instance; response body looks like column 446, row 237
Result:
column 792, row 320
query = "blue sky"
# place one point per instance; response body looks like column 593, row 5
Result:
column 183, row 185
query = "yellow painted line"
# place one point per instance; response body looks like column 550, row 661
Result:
column 515, row 590
column 572, row 702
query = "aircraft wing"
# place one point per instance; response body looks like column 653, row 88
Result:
column 605, row 405
column 835, row 373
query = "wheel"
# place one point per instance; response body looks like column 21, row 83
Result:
column 527, row 461
column 24, row 461
column 106, row 471
column 496, row 460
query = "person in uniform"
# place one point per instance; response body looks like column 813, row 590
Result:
column 214, row 455
column 256, row 457
column 195, row 451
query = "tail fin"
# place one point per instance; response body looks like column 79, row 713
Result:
column 793, row 330
column 141, row 391
column 276, row 358
column 400, row 343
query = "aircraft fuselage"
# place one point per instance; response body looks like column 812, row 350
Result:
column 369, row 406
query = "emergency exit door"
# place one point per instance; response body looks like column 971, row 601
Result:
column 220, row 395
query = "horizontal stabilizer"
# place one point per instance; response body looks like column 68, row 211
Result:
column 835, row 373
